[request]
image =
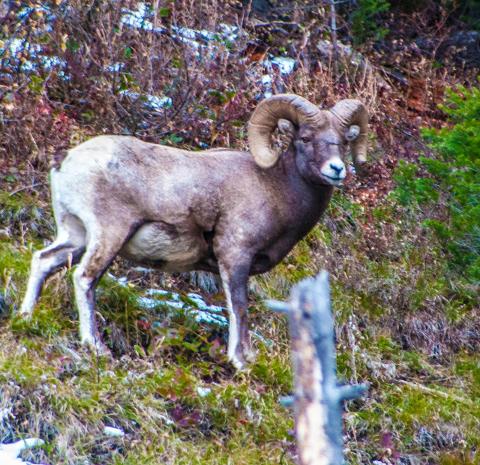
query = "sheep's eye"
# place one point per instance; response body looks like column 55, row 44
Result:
column 305, row 140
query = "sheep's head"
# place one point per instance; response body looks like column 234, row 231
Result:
column 320, row 137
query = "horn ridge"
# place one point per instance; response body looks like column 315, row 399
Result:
column 265, row 117
column 350, row 112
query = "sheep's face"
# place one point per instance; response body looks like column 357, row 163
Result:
column 319, row 155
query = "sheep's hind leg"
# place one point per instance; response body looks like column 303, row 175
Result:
column 44, row 263
column 100, row 252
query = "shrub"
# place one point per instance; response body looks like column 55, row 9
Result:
column 364, row 20
column 451, row 181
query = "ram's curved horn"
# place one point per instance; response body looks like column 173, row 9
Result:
column 348, row 113
column 264, row 120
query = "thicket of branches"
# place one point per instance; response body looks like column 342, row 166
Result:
column 69, row 69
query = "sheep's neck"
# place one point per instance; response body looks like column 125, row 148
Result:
column 299, row 207
column 312, row 197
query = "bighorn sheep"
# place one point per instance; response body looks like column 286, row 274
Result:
column 223, row 211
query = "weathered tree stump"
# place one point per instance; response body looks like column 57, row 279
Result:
column 318, row 396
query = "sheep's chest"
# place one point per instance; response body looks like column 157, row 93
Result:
column 165, row 246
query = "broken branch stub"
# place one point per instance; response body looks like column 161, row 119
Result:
column 318, row 397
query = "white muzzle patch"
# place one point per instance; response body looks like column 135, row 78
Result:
column 334, row 171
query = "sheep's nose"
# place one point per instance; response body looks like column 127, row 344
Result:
column 336, row 167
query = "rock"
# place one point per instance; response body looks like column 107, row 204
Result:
column 463, row 47
column 261, row 6
column 207, row 282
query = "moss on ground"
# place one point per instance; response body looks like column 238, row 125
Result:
column 404, row 324
column 166, row 418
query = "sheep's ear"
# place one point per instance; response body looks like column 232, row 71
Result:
column 286, row 127
column 352, row 132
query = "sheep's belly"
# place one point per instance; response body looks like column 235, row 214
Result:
column 164, row 246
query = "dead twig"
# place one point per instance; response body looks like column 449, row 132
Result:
column 24, row 188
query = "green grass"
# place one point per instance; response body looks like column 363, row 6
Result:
column 157, row 405
column 395, row 301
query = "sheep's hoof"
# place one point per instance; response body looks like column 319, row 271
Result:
column 97, row 348
column 239, row 364
column 23, row 315
column 243, row 361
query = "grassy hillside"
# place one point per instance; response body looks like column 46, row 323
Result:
column 403, row 325
column 407, row 316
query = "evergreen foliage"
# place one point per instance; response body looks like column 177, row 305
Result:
column 365, row 23
column 470, row 13
column 452, row 184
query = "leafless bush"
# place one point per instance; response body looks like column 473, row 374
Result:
column 72, row 69
column 73, row 65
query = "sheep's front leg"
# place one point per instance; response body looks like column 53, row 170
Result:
column 235, row 281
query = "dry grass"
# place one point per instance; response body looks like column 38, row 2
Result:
column 404, row 322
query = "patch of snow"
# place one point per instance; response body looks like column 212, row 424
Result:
column 266, row 79
column 201, row 305
column 195, row 306
column 152, row 101
column 147, row 302
column 142, row 269
column 9, row 452
column 202, row 316
column 115, row 67
column 285, row 64
column 203, row 391
column 159, row 292
column 138, row 19
column 189, row 35
column 113, row 432
column 193, row 43
column 5, row 413
column 50, row 62
column 192, row 304
column 16, row 46
column 229, row 32
column 122, row 280
column 204, row 313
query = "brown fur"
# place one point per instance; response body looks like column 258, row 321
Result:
column 176, row 210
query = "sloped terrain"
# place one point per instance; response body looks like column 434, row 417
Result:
column 407, row 321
